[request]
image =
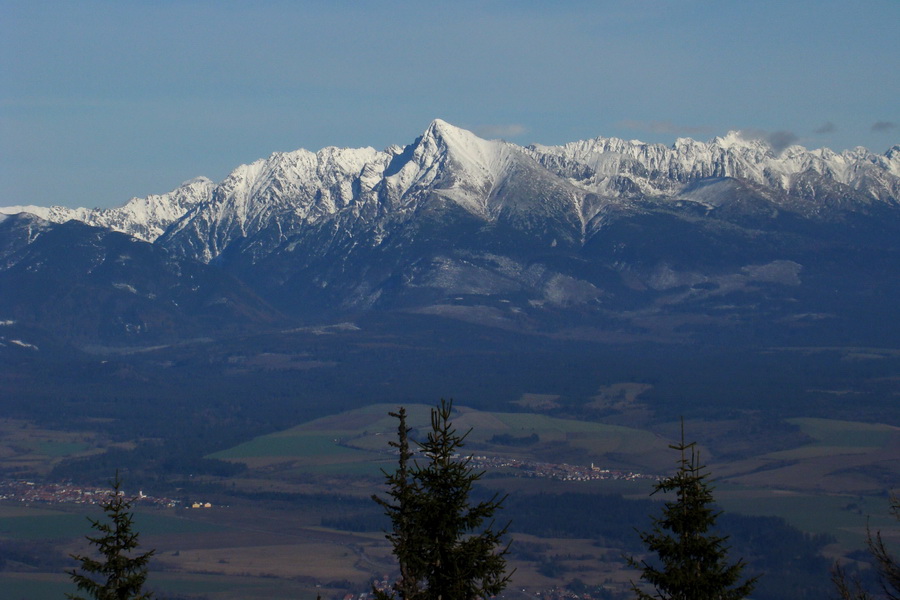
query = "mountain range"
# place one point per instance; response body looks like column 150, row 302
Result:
column 602, row 239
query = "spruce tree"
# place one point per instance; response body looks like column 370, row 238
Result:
column 401, row 512
column 447, row 546
column 118, row 574
column 885, row 564
column 692, row 560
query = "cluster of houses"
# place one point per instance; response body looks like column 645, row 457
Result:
column 554, row 593
column 58, row 493
column 559, row 471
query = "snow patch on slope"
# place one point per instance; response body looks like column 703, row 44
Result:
column 25, row 345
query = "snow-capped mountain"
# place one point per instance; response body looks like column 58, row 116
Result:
column 369, row 193
column 631, row 235
column 366, row 193
column 368, row 189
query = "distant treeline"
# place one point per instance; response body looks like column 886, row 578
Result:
column 151, row 465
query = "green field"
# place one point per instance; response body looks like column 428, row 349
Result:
column 844, row 517
column 30, row 586
column 26, row 448
column 830, row 479
column 301, row 445
column 832, row 432
column 55, row 449
column 51, row 526
column 840, row 458
column 835, row 457
column 22, row 586
column 830, row 484
column 335, row 443
column 67, row 525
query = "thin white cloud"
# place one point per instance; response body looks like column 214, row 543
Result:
column 510, row 130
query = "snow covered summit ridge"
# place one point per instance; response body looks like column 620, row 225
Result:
column 659, row 170
column 365, row 185
column 143, row 218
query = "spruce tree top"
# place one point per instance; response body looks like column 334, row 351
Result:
column 691, row 560
column 118, row 574
column 447, row 546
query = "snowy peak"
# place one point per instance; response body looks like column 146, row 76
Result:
column 740, row 141
column 362, row 194
column 453, row 163
column 486, row 158
column 143, row 218
column 147, row 218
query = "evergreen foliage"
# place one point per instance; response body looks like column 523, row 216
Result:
column 401, row 510
column 448, row 548
column 886, row 567
column 118, row 574
column 692, row 560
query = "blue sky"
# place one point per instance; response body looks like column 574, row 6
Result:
column 102, row 101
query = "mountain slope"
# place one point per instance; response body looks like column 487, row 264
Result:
column 590, row 178
column 85, row 284
column 603, row 235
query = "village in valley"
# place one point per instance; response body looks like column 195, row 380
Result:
column 559, row 471
column 30, row 492
column 68, row 493
column 36, row 493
